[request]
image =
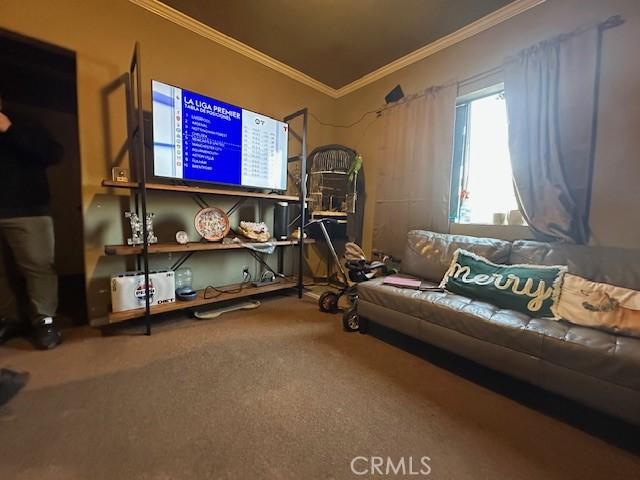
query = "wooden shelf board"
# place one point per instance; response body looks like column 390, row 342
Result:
column 328, row 213
column 204, row 190
column 284, row 284
column 189, row 247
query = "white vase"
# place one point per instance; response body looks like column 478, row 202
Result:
column 515, row 218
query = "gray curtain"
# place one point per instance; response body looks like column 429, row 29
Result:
column 413, row 168
column 551, row 91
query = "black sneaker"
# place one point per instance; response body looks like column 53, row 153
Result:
column 10, row 329
column 45, row 335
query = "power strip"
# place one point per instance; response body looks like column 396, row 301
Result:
column 266, row 282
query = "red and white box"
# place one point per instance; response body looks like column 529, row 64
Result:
column 128, row 289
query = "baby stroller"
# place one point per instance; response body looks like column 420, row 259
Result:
column 359, row 270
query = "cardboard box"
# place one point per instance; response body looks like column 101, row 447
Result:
column 128, row 289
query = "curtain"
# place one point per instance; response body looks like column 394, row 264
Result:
column 414, row 168
column 551, row 95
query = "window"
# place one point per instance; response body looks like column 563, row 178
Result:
column 482, row 186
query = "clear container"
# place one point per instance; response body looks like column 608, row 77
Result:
column 184, row 278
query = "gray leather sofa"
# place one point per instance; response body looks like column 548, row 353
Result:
column 591, row 366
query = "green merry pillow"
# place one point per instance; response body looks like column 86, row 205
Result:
column 531, row 289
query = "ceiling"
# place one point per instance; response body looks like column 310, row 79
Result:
column 336, row 41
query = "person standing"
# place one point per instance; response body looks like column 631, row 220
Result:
column 26, row 229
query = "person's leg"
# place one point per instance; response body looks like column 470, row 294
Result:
column 31, row 240
column 14, row 301
column 8, row 303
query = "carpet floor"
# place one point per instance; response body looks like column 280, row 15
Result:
column 281, row 392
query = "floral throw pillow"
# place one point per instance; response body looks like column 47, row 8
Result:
column 599, row 305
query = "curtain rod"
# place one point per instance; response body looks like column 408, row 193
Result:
column 611, row 22
column 479, row 75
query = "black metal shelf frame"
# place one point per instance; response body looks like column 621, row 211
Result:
column 135, row 114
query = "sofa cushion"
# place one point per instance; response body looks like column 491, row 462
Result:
column 592, row 352
column 428, row 254
column 479, row 319
column 405, row 300
column 607, row 356
column 616, row 266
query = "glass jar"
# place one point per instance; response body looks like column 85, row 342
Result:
column 184, row 278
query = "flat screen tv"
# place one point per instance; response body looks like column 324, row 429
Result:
column 200, row 139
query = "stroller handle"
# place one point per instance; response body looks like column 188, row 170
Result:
column 321, row 223
column 321, row 220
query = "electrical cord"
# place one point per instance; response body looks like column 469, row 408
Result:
column 311, row 114
column 364, row 115
column 265, row 264
column 246, row 280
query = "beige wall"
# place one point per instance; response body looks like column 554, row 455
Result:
column 617, row 168
column 102, row 33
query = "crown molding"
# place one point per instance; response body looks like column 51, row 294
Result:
column 488, row 21
column 168, row 13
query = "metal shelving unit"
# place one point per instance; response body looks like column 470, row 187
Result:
column 139, row 190
column 202, row 299
column 191, row 247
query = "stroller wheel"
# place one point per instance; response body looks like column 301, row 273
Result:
column 328, row 302
column 351, row 321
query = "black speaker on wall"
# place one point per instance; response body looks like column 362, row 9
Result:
column 281, row 221
column 394, row 95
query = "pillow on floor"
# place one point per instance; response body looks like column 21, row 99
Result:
column 531, row 289
column 599, row 305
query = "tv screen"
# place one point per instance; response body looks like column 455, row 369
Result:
column 200, row 139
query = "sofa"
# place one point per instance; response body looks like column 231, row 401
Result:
column 590, row 366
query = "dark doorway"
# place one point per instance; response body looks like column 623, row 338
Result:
column 39, row 80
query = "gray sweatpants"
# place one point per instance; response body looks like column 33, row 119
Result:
column 28, row 281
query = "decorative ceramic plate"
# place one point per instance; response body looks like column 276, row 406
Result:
column 212, row 224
